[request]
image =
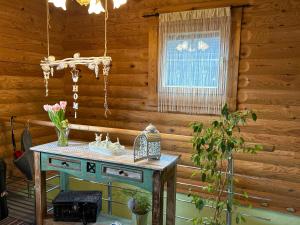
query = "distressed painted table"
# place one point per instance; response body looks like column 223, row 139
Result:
column 78, row 161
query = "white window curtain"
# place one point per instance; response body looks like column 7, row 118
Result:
column 193, row 61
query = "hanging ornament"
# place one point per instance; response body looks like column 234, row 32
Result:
column 49, row 64
column 46, row 79
column 75, row 78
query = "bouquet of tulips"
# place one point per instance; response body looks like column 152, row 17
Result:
column 56, row 114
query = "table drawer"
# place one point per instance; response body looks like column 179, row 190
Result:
column 64, row 162
column 122, row 172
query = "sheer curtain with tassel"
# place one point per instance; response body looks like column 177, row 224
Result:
column 193, row 61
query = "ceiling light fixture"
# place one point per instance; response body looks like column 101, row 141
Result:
column 118, row 3
column 83, row 2
column 59, row 3
column 95, row 5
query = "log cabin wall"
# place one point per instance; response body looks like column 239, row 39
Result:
column 22, row 46
column 269, row 81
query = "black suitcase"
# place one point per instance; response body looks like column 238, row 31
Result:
column 3, row 201
column 77, row 206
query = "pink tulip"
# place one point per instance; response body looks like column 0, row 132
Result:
column 56, row 108
column 63, row 104
column 47, row 107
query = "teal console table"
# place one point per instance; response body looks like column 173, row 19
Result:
column 77, row 160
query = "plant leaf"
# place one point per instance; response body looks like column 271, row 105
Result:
column 254, row 116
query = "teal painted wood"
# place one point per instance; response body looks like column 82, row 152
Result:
column 64, row 181
column 97, row 171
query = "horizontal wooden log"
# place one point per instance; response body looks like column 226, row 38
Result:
column 24, row 109
column 269, row 35
column 270, row 82
column 278, row 20
column 115, row 43
column 92, row 30
column 269, row 66
column 273, row 112
column 276, row 51
column 290, row 128
column 19, row 96
column 272, row 7
column 21, row 82
column 278, row 202
column 257, row 169
column 21, row 42
column 269, row 97
column 254, row 184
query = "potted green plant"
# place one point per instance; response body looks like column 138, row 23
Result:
column 213, row 155
column 140, row 206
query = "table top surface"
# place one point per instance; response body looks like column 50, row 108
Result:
column 81, row 150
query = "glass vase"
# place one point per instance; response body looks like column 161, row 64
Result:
column 62, row 136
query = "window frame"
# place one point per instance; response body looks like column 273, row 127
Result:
column 233, row 64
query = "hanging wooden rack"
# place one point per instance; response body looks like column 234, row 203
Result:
column 173, row 137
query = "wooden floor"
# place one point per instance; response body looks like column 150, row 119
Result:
column 20, row 202
column 12, row 221
column 21, row 207
column 102, row 220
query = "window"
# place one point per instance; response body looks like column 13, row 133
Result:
column 193, row 61
column 203, row 50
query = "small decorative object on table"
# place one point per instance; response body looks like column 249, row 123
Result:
column 106, row 147
column 57, row 116
column 140, row 205
column 116, row 223
column 147, row 144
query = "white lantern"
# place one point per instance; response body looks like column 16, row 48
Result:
column 147, row 144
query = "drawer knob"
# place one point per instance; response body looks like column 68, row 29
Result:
column 121, row 172
column 65, row 164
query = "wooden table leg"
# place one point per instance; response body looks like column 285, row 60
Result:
column 171, row 197
column 40, row 190
column 157, row 199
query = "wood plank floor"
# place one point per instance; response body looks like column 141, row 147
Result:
column 21, row 207
column 20, row 202
column 12, row 221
